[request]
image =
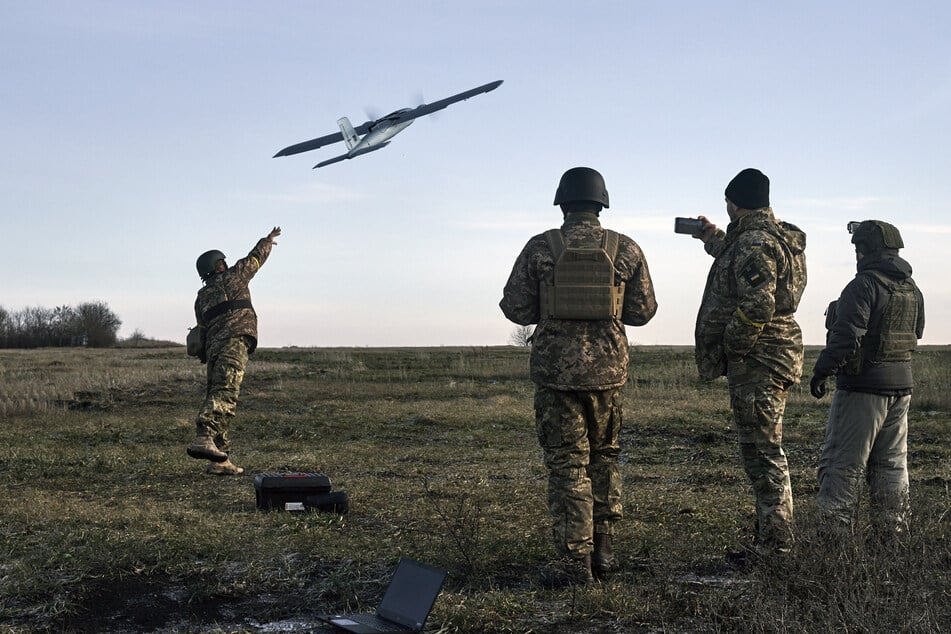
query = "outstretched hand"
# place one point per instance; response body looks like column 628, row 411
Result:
column 276, row 231
column 817, row 386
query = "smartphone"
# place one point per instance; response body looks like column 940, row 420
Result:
column 690, row 226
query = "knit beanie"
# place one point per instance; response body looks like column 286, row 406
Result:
column 749, row 189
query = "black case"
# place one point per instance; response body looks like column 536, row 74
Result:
column 302, row 491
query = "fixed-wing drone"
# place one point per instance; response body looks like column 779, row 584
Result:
column 376, row 134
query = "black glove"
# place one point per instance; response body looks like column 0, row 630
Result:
column 817, row 385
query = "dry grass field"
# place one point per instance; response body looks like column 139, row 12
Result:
column 107, row 525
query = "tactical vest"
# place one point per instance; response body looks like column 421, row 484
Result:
column 583, row 282
column 893, row 338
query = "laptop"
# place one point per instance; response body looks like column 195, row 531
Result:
column 405, row 606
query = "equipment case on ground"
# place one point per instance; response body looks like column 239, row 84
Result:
column 298, row 492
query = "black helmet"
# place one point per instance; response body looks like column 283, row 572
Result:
column 207, row 262
column 870, row 236
column 581, row 184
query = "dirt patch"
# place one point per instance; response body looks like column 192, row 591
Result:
column 162, row 605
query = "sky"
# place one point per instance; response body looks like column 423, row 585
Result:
column 137, row 135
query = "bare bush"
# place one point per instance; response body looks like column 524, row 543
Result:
column 522, row 336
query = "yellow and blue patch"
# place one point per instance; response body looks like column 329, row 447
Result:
column 753, row 276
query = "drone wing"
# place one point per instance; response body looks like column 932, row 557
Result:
column 313, row 144
column 429, row 108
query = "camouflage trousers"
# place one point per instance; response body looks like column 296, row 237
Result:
column 578, row 434
column 227, row 360
column 758, row 401
column 867, row 435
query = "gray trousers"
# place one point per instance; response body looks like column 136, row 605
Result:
column 867, row 435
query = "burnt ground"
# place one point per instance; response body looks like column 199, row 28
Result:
column 162, row 605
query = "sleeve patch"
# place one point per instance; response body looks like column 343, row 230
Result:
column 753, row 276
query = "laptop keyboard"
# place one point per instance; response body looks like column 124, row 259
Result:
column 376, row 623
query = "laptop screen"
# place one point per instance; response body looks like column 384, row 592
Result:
column 411, row 593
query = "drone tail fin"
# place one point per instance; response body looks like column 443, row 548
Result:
column 348, row 133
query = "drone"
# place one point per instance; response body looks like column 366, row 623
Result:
column 376, row 134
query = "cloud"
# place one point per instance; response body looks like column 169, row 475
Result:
column 915, row 228
column 316, row 193
column 906, row 229
column 854, row 203
column 532, row 223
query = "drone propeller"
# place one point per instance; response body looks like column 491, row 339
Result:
column 372, row 113
column 421, row 101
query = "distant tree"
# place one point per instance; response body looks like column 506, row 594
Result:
column 6, row 326
column 64, row 325
column 522, row 336
column 136, row 338
column 38, row 326
column 16, row 333
column 98, row 323
column 92, row 324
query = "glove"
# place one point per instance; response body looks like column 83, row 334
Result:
column 817, row 386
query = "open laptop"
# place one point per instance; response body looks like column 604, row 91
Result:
column 406, row 603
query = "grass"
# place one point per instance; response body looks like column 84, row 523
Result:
column 109, row 526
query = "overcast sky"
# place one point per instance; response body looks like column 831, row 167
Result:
column 136, row 135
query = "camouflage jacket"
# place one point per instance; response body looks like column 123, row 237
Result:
column 750, row 300
column 578, row 354
column 232, row 285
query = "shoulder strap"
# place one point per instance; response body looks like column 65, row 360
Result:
column 556, row 243
column 609, row 242
column 890, row 283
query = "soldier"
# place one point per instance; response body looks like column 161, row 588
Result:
column 581, row 284
column 746, row 330
column 873, row 328
column 224, row 312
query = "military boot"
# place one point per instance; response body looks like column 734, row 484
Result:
column 602, row 559
column 223, row 468
column 204, row 448
column 568, row 572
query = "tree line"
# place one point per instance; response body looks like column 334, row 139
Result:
column 90, row 324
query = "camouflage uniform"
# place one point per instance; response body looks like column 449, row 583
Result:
column 230, row 337
column 579, row 368
column 746, row 330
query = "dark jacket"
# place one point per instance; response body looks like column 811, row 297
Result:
column 859, row 311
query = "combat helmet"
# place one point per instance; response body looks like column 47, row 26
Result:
column 582, row 184
column 870, row 236
column 207, row 262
